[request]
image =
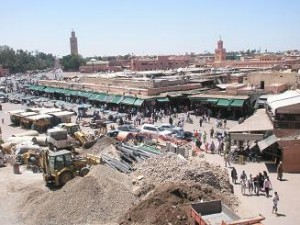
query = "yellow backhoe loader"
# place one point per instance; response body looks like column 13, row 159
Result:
column 60, row 167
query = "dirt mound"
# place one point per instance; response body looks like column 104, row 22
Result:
column 101, row 145
column 173, row 168
column 168, row 204
column 101, row 197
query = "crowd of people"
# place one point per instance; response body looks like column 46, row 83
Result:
column 255, row 185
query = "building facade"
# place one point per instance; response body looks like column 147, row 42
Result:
column 160, row 63
column 3, row 72
column 73, row 44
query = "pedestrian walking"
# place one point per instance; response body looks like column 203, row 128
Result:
column 243, row 186
column 234, row 175
column 275, row 202
column 204, row 137
column 2, row 120
column 225, row 123
column 227, row 157
column 279, row 171
column 212, row 132
column 250, row 184
column 200, row 122
column 243, row 176
column 267, row 186
column 171, row 120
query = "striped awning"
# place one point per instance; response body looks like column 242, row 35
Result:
column 117, row 99
column 138, row 102
column 163, row 99
column 224, row 102
column 128, row 100
column 237, row 103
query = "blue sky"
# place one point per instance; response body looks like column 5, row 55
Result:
column 142, row 27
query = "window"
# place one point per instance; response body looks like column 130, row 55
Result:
column 68, row 160
column 59, row 162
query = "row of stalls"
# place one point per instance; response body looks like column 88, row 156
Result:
column 273, row 144
column 39, row 119
column 227, row 106
column 231, row 107
column 98, row 99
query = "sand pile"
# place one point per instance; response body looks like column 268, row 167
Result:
column 101, row 197
column 103, row 145
column 168, row 204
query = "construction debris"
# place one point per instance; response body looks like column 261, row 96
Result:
column 173, row 168
column 169, row 203
column 100, row 197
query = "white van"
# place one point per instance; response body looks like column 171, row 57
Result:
column 152, row 129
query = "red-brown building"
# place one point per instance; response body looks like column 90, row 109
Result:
column 3, row 72
column 160, row 63
column 260, row 61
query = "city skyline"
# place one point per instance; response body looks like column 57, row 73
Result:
column 149, row 28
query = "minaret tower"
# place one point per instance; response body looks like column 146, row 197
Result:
column 73, row 43
column 220, row 52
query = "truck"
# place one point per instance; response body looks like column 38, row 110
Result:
column 62, row 166
column 217, row 213
column 58, row 138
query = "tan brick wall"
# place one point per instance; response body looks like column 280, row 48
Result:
column 271, row 78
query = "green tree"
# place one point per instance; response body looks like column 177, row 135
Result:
column 72, row 62
column 22, row 61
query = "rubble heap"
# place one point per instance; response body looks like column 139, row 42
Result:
column 167, row 184
column 168, row 204
column 100, row 197
column 173, row 168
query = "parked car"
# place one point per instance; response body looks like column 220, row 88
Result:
column 170, row 127
column 152, row 129
column 184, row 135
column 128, row 128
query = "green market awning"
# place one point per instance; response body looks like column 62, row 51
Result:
column 73, row 92
column 84, row 94
column 94, row 97
column 50, row 89
column 237, row 103
column 107, row 98
column 36, row 87
column 101, row 97
column 117, row 99
column 60, row 91
column 212, row 100
column 68, row 92
column 128, row 100
column 164, row 99
column 138, row 102
column 197, row 99
column 224, row 102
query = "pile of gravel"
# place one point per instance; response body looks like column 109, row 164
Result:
column 101, row 197
column 173, row 168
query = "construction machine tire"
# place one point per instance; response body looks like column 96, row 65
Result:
column 84, row 171
column 65, row 177
column 88, row 144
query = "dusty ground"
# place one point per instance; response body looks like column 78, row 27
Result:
column 14, row 187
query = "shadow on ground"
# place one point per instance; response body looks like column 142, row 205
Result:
column 271, row 167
